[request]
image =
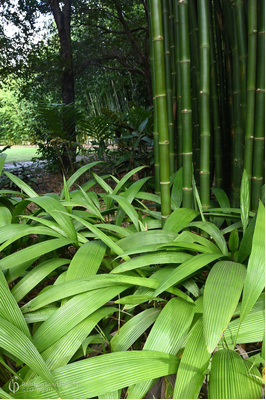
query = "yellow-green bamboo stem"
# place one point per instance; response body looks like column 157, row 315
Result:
column 155, row 116
column 258, row 156
column 251, row 85
column 160, row 94
column 186, row 111
column 204, row 100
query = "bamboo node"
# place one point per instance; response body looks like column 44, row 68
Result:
column 257, row 179
column 258, row 138
column 260, row 90
column 158, row 38
column 187, row 189
column 160, row 95
column 185, row 111
column 165, row 142
column 164, row 216
column 187, row 153
column 165, row 183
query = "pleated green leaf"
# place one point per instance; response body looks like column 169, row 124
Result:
column 10, row 310
column 193, row 364
column 251, row 329
column 230, row 378
column 32, row 252
column 5, row 216
column 255, row 280
column 76, row 286
column 71, row 313
column 126, row 177
column 137, row 299
column 177, row 193
column 214, row 232
column 186, row 269
column 167, row 335
column 35, row 276
column 140, row 239
column 101, row 235
column 86, row 261
column 22, row 185
column 99, row 375
column 222, row 292
column 56, row 210
column 4, row 395
column 128, row 209
column 244, row 200
column 133, row 329
column 179, row 219
column 77, row 174
column 160, row 257
column 28, row 230
column 18, row 344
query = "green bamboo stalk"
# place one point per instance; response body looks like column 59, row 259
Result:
column 155, row 114
column 236, row 124
column 172, row 46
column 195, row 79
column 258, row 156
column 178, row 107
column 160, row 94
column 242, row 52
column 186, row 110
column 168, row 82
column 204, row 107
column 218, row 153
column 251, row 85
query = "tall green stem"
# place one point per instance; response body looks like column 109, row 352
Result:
column 160, row 94
column 185, row 103
column 204, row 106
column 258, row 156
column 251, row 85
column 168, row 81
column 155, row 114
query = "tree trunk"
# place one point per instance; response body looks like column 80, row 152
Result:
column 63, row 18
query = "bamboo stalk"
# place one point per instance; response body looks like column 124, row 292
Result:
column 155, row 115
column 258, row 156
column 218, row 153
column 186, row 110
column 179, row 141
column 160, row 94
column 194, row 44
column 251, row 85
column 204, row 107
column 168, row 82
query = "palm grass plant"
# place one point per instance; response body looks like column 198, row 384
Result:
column 130, row 306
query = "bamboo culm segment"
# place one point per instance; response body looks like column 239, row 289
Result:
column 258, row 155
column 155, row 115
column 204, row 103
column 160, row 95
column 186, row 108
column 251, row 85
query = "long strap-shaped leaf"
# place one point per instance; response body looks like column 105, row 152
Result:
column 186, row 269
column 214, row 232
column 73, row 312
column 221, row 294
column 231, row 378
column 255, row 280
column 167, row 335
column 18, row 344
column 194, row 362
column 87, row 260
column 92, row 377
column 76, row 286
column 133, row 329
column 10, row 310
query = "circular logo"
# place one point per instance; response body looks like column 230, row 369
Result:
column 13, row 385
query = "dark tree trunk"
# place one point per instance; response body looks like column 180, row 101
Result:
column 63, row 18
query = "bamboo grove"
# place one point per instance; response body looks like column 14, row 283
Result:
column 208, row 62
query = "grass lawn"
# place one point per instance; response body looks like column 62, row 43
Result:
column 20, row 153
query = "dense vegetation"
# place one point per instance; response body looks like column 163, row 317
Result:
column 147, row 281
